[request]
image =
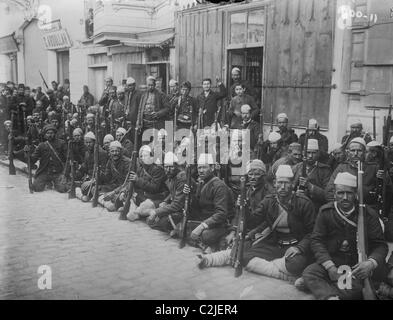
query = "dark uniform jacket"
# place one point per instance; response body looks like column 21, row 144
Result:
column 335, row 239
column 288, row 136
column 318, row 176
column 253, row 126
column 151, row 181
column 323, row 144
column 86, row 101
column 211, row 202
column 349, row 137
column 209, row 104
column 301, row 217
column 128, row 147
column 49, row 163
column 236, row 104
column 132, row 105
column 116, row 172
column 161, row 107
column 176, row 197
column 78, row 150
column 87, row 166
column 249, row 89
column 187, row 112
column 369, row 181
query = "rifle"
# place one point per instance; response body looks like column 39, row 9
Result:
column 304, row 166
column 29, row 143
column 218, row 158
column 238, row 245
column 96, row 169
column 186, row 210
column 43, row 80
column 11, row 168
column 368, row 290
column 271, row 117
column 134, row 157
column 71, row 194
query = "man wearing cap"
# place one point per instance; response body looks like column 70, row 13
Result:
column 149, row 182
column 106, row 142
column 90, row 119
column 86, row 171
column 356, row 132
column 278, row 245
column 169, row 212
column 52, row 155
column 3, row 117
column 186, row 107
column 174, row 93
column 357, row 151
column 153, row 107
column 78, row 146
column 249, row 124
column 67, row 106
column 374, row 152
column 210, row 206
column 234, row 112
column 317, row 175
column 288, row 135
column 272, row 149
column 105, row 94
column 313, row 133
column 113, row 179
column 126, row 143
column 236, row 80
column 116, row 109
column 334, row 244
column 256, row 189
column 133, row 97
column 87, row 100
column 337, row 155
column 293, row 157
column 207, row 102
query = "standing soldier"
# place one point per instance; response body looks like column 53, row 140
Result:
column 234, row 113
column 187, row 109
column 3, row 117
column 288, row 135
column 106, row 142
column 52, row 155
column 133, row 97
column 105, row 94
column 356, row 132
column 334, row 244
column 86, row 101
column 317, row 175
column 153, row 107
column 207, row 102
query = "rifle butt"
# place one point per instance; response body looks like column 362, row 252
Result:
column 11, row 168
column 238, row 270
column 368, row 290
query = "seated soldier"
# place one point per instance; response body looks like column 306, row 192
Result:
column 355, row 132
column 169, row 212
column 113, row 179
column 279, row 246
column 209, row 207
column 313, row 133
column 86, row 170
column 256, row 190
column 272, row 149
column 313, row 184
column 149, row 185
column 52, row 155
column 128, row 146
column 334, row 244
column 385, row 290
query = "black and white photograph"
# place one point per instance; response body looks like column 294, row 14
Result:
column 191, row 150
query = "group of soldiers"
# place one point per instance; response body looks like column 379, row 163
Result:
column 285, row 207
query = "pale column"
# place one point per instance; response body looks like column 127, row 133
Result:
column 52, row 67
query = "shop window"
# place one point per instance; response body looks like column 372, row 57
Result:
column 247, row 27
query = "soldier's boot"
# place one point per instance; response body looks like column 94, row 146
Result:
column 266, row 268
column 215, row 259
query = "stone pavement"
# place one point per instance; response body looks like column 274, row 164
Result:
column 93, row 255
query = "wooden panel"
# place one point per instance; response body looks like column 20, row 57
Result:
column 299, row 53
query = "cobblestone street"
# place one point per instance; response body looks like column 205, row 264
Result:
column 93, row 255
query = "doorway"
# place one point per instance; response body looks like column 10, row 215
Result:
column 63, row 66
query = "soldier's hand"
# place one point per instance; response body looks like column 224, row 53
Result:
column 186, row 189
column 162, row 204
column 291, row 252
column 333, row 274
column 303, row 182
column 380, row 174
column 195, row 234
column 132, row 177
column 154, row 115
column 230, row 238
column 152, row 216
column 363, row 270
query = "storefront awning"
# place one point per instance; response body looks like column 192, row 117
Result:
column 8, row 44
column 150, row 40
